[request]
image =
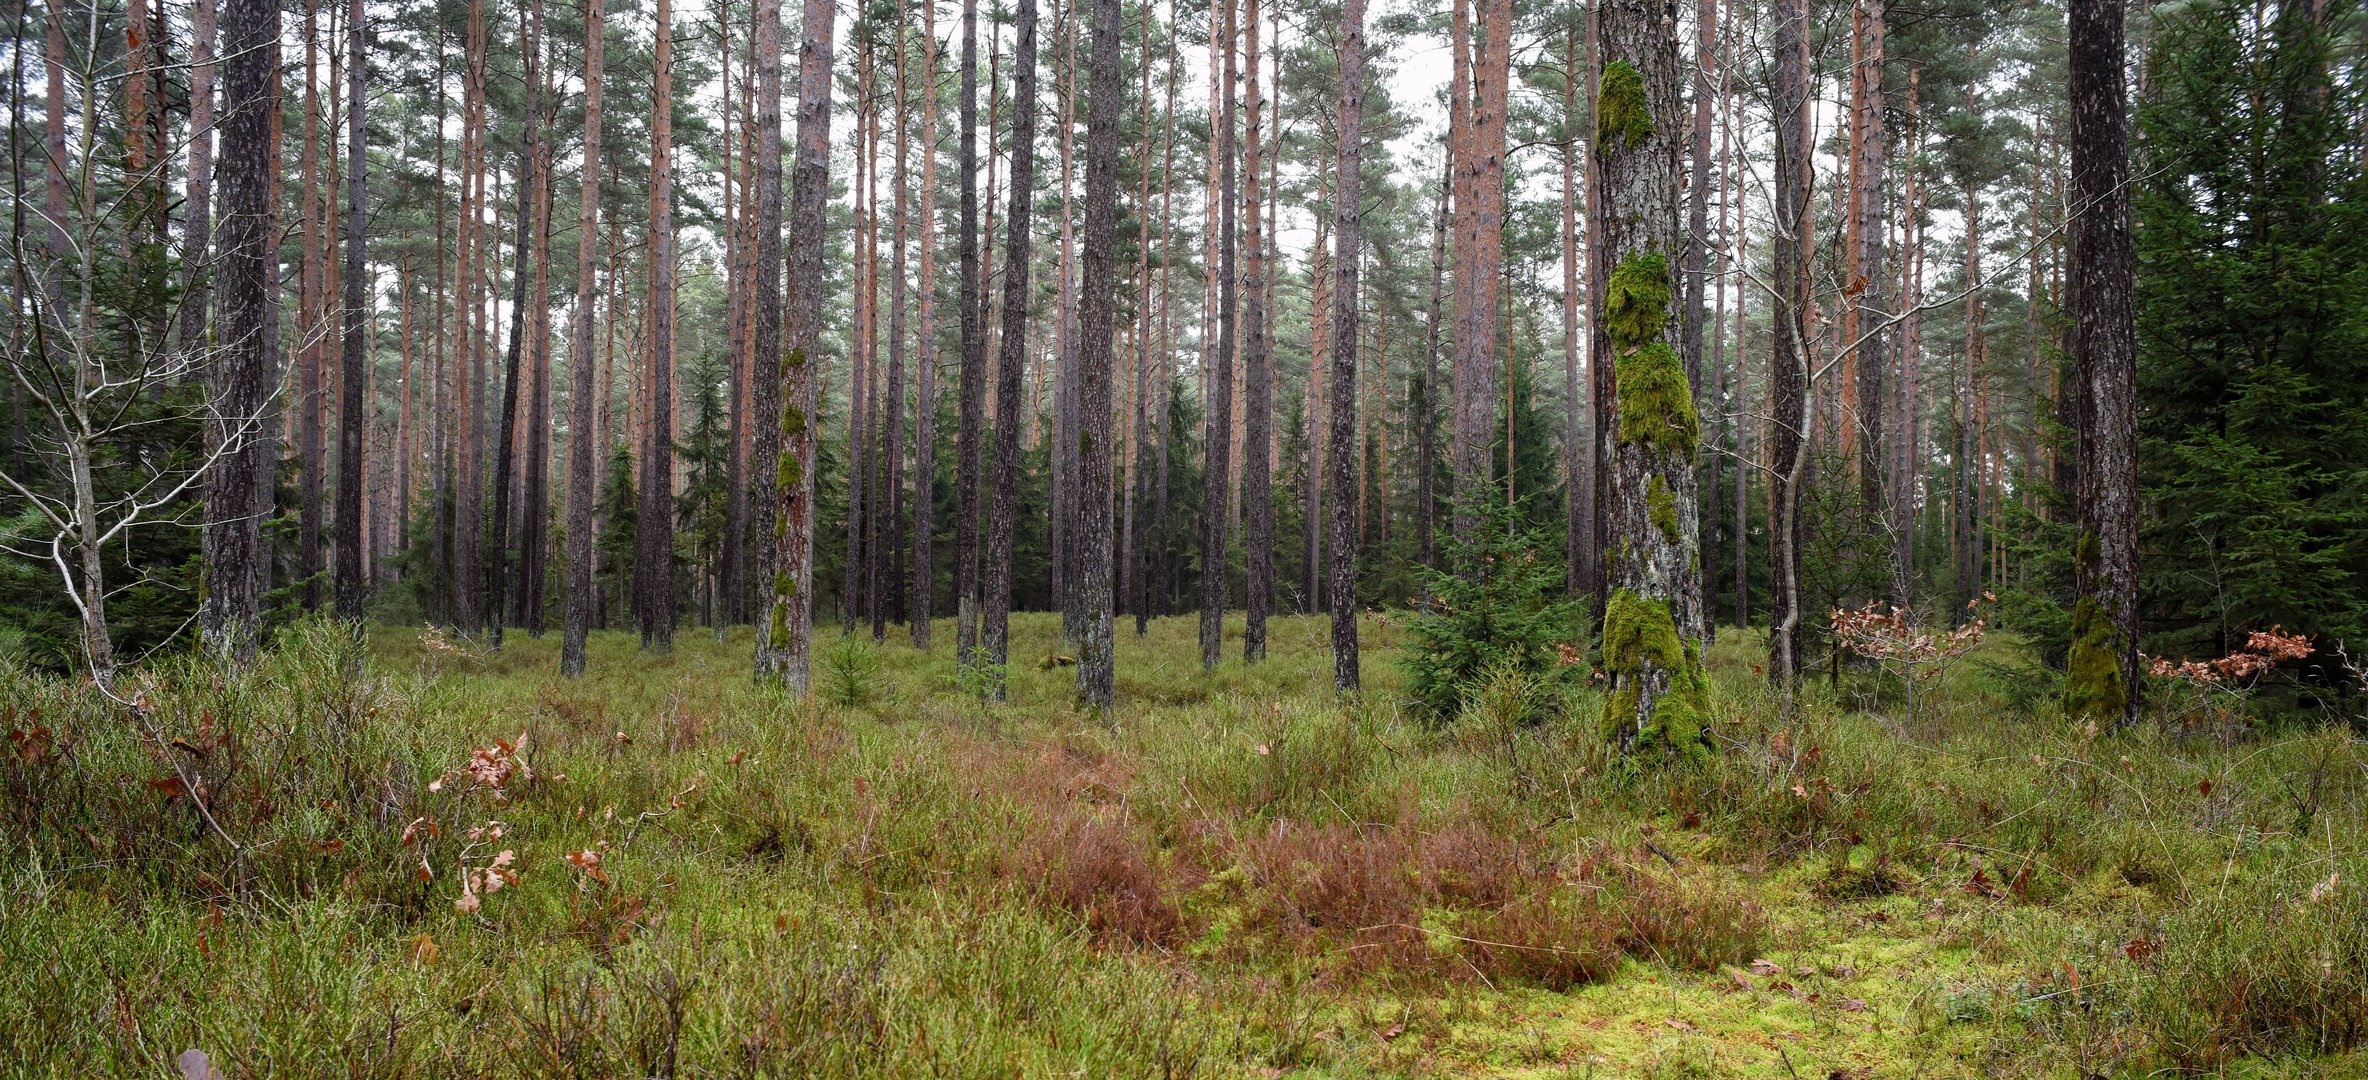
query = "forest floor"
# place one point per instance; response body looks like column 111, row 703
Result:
column 458, row 863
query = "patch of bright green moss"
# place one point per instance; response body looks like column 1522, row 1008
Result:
column 1640, row 638
column 1656, row 404
column 1636, row 300
column 1622, row 119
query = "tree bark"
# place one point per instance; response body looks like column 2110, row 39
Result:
column 1347, row 235
column 1653, row 621
column 239, row 494
column 583, row 449
column 888, row 508
column 352, row 588
column 973, row 392
column 784, row 646
column 1217, row 378
column 1096, row 658
column 311, row 330
column 1578, row 474
column 497, row 578
column 995, row 633
column 924, row 587
column 1257, row 376
column 2103, row 681
column 653, row 564
column 1788, row 366
column 197, row 227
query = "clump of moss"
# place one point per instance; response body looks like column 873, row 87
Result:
column 1656, row 403
column 1621, row 117
column 1660, row 505
column 1640, row 640
column 1636, row 300
column 1848, row 880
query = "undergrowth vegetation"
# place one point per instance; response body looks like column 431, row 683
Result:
column 413, row 858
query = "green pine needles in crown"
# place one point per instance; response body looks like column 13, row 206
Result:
column 1496, row 604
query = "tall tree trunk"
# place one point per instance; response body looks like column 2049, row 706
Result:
column 970, row 413
column 732, row 548
column 1257, row 376
column 1062, row 461
column 1347, row 230
column 1788, row 368
column 1479, row 172
column 1578, row 477
column 1870, row 357
column 1130, row 552
column 853, row 575
column 239, row 494
column 311, row 331
column 766, row 374
column 1217, row 379
column 1161, row 585
column 924, row 587
column 653, row 565
column 784, row 647
column 995, row 633
column 583, row 449
column 887, row 504
column 497, row 578
column 352, row 587
column 535, row 489
column 468, row 365
column 1426, row 422
column 2102, row 683
column 1096, row 658
column 197, row 229
column 1653, row 621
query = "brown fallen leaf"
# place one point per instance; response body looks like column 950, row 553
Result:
column 1678, row 1024
column 1766, row 967
column 1853, row 1004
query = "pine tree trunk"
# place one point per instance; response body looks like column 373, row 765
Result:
column 1788, row 368
column 783, row 649
column 2103, row 680
column 1653, row 621
column 1257, row 376
column 1096, row 658
column 1578, row 478
column 583, row 449
column 352, row 588
column 197, row 227
column 888, row 508
column 1341, row 576
column 1426, row 424
column 1870, row 344
column 535, row 489
column 995, row 631
column 924, row 587
column 653, row 564
column 973, row 392
column 239, row 494
column 766, row 374
column 497, row 578
column 311, row 275
column 1217, row 377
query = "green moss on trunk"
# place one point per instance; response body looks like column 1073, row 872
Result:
column 2093, row 684
column 1636, row 300
column 1656, row 404
column 1621, row 118
column 1640, row 640
column 1660, row 504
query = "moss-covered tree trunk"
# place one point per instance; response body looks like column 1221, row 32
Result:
column 1653, row 620
column 783, row 648
column 2104, row 662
